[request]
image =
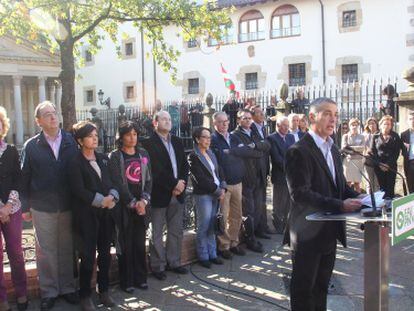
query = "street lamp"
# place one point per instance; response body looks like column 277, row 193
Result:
column 106, row 102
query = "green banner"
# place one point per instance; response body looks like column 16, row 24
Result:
column 402, row 218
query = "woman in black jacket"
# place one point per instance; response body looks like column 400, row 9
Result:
column 208, row 190
column 385, row 148
column 95, row 196
column 11, row 218
column 131, row 172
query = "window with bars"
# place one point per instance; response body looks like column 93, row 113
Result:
column 251, row 81
column 349, row 18
column 88, row 56
column 193, row 86
column 349, row 73
column 297, row 74
column 285, row 22
column 130, row 92
column 192, row 43
column 129, row 49
column 89, row 96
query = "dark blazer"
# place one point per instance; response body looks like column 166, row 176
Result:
column 405, row 137
column 312, row 189
column 387, row 152
column 45, row 184
column 253, row 170
column 278, row 148
column 87, row 188
column 163, row 180
column 10, row 173
column 263, row 162
column 201, row 174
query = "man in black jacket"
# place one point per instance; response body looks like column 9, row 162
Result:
column 46, row 197
column 252, row 179
column 169, row 169
column 316, row 184
column 408, row 152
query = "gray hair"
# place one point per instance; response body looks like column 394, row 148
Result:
column 316, row 105
column 42, row 105
column 159, row 113
column 281, row 119
column 218, row 114
column 291, row 116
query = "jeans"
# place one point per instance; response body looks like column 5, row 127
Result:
column 206, row 210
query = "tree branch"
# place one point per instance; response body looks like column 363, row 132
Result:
column 94, row 24
column 143, row 19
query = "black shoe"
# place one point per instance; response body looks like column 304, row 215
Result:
column 237, row 250
column 21, row 306
column 128, row 290
column 226, row 254
column 47, row 303
column 159, row 275
column 255, row 247
column 142, row 286
column 72, row 298
column 216, row 261
column 262, row 235
column 179, row 270
column 205, row 263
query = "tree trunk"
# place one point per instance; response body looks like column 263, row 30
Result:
column 67, row 78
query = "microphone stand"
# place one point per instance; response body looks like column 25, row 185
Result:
column 369, row 213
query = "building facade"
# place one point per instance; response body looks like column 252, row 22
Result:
column 299, row 42
column 27, row 76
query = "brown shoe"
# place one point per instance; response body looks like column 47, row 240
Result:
column 106, row 300
column 87, row 304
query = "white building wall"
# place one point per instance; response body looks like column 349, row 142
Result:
column 380, row 45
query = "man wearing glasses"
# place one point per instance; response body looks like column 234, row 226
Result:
column 46, row 200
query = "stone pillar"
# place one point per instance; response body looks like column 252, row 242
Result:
column 59, row 101
column 208, row 112
column 17, row 92
column 52, row 93
column 406, row 99
column 30, row 110
column 42, row 89
column 9, row 109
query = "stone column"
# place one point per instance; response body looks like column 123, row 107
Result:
column 17, row 92
column 59, row 100
column 9, row 109
column 208, row 112
column 42, row 89
column 30, row 110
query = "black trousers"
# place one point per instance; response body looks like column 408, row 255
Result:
column 409, row 173
column 311, row 272
column 262, row 226
column 96, row 232
column 132, row 262
column 252, row 197
column 386, row 181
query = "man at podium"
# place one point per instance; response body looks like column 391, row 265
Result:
column 316, row 184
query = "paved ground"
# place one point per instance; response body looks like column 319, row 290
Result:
column 260, row 282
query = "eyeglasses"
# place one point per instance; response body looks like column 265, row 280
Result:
column 223, row 122
column 246, row 118
column 205, row 137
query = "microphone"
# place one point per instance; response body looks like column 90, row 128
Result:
column 347, row 150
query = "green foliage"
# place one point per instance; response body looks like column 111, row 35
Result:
column 67, row 24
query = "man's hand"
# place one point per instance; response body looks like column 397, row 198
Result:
column 140, row 207
column 384, row 167
column 180, row 186
column 108, row 202
column 351, row 205
column 27, row 216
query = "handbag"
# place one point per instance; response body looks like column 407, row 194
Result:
column 219, row 225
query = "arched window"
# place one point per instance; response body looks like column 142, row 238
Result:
column 251, row 26
column 285, row 22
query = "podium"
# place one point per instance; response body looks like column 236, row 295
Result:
column 376, row 255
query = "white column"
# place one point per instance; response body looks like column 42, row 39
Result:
column 30, row 110
column 10, row 111
column 59, row 100
column 42, row 89
column 52, row 93
column 17, row 92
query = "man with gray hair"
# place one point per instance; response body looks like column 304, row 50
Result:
column 169, row 169
column 280, row 141
column 316, row 183
column 294, row 126
column 46, row 199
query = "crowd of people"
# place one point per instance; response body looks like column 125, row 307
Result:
column 81, row 201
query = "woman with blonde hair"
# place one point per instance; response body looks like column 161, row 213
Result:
column 353, row 164
column 11, row 218
column 385, row 148
column 370, row 129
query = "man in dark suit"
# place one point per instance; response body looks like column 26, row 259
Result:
column 408, row 153
column 280, row 141
column 259, row 133
column 294, row 126
column 169, row 168
column 316, row 184
column 251, row 190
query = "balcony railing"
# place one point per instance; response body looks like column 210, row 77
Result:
column 285, row 32
column 224, row 40
column 251, row 36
